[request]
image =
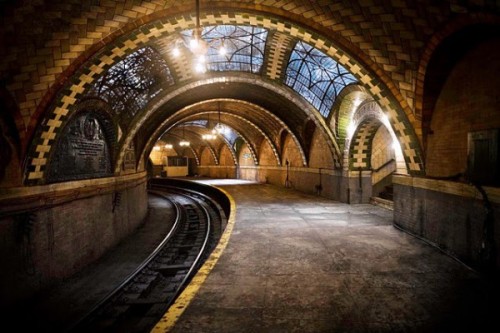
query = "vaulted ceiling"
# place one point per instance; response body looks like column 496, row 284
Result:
column 57, row 54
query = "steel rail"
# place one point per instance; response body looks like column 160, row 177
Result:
column 141, row 267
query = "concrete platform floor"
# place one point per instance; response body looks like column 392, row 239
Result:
column 295, row 263
column 301, row 263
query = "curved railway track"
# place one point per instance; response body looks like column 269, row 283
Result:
column 139, row 302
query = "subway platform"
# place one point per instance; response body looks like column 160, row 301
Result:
column 302, row 263
column 299, row 263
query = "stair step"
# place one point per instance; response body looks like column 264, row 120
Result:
column 377, row 201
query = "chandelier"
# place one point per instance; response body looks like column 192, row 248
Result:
column 219, row 128
column 197, row 45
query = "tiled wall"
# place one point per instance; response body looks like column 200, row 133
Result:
column 382, row 153
column 60, row 241
column 468, row 102
column 449, row 214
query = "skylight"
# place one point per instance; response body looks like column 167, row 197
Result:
column 316, row 76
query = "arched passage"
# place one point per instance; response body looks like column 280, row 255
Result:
column 457, row 127
column 154, row 32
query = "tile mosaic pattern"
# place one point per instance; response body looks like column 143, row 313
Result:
column 155, row 30
column 361, row 146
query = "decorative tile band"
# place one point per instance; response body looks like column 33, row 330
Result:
column 153, row 31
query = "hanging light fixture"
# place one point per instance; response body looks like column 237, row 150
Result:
column 197, row 45
column 211, row 135
column 169, row 146
column 183, row 142
column 219, row 128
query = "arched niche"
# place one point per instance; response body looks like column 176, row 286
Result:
column 463, row 108
column 85, row 147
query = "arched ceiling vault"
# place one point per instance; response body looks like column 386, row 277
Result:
column 253, row 123
column 253, row 134
column 264, row 89
column 269, row 107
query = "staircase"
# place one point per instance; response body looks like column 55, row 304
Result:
column 385, row 198
column 387, row 193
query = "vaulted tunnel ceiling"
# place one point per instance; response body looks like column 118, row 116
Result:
column 255, row 111
column 294, row 72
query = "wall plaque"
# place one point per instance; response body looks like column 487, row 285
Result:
column 82, row 152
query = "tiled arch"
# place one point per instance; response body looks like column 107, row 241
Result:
column 225, row 142
column 161, row 127
column 66, row 99
column 251, row 147
column 459, row 23
column 212, row 152
column 231, row 151
column 361, row 144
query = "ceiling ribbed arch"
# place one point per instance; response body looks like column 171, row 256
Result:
column 152, row 31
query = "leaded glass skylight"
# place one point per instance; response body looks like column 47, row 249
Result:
column 316, row 76
column 132, row 82
column 199, row 123
column 242, row 47
column 229, row 134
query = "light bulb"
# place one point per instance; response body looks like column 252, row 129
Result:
column 200, row 68
column 193, row 44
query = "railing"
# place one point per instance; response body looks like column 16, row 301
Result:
column 384, row 165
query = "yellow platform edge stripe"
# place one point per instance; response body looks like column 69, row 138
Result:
column 169, row 319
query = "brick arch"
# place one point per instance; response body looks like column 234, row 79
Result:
column 361, row 144
column 344, row 108
column 230, row 148
column 150, row 143
column 308, row 133
column 10, row 141
column 454, row 26
column 197, row 157
column 282, row 138
column 115, row 52
column 253, row 149
column 212, row 152
column 441, row 53
column 300, row 102
column 231, row 151
column 367, row 119
column 13, row 119
column 87, row 28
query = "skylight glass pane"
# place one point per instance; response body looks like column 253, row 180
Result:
column 229, row 134
column 131, row 83
column 316, row 76
column 244, row 47
column 200, row 123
